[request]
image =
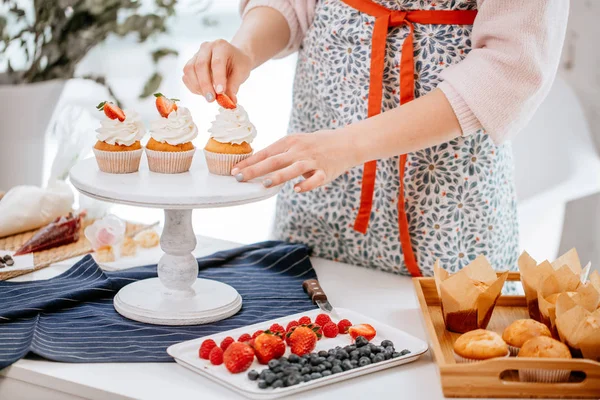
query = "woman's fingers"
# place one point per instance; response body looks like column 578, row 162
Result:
column 202, row 65
column 278, row 147
column 194, row 88
column 218, row 65
column 316, row 179
column 264, row 167
column 288, row 173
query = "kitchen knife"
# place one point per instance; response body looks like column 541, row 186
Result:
column 318, row 296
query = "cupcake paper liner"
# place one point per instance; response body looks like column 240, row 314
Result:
column 222, row 164
column 544, row 375
column 513, row 350
column 464, row 360
column 118, row 162
column 170, row 162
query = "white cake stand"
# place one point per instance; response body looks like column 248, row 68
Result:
column 177, row 296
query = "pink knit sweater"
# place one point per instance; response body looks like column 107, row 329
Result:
column 503, row 80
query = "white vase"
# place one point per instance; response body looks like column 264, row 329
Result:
column 24, row 119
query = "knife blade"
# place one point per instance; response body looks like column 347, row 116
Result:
column 318, row 296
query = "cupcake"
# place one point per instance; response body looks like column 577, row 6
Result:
column 521, row 331
column 118, row 149
column 479, row 345
column 170, row 149
column 544, row 347
column 230, row 136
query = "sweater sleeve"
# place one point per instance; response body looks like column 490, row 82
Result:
column 508, row 73
column 299, row 15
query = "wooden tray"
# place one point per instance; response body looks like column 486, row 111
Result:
column 499, row 377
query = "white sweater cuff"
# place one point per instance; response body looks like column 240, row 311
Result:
column 469, row 123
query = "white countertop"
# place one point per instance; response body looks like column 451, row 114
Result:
column 385, row 297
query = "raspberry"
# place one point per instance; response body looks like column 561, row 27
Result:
column 205, row 348
column 226, row 342
column 216, row 356
column 276, row 328
column 244, row 338
column 322, row 319
column 343, row 326
column 330, row 330
column 304, row 320
column 255, row 334
column 290, row 325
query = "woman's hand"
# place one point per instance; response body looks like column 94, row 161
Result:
column 217, row 67
column 319, row 157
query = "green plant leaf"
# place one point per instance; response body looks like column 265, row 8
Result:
column 158, row 54
column 151, row 85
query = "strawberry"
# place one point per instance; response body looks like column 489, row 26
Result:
column 302, row 339
column 304, row 320
column 290, row 325
column 343, row 326
column 319, row 331
column 226, row 342
column 216, row 356
column 255, row 334
column 322, row 319
column 111, row 110
column 244, row 338
column 205, row 348
column 276, row 328
column 330, row 330
column 164, row 105
column 238, row 357
column 225, row 101
column 365, row 330
column 268, row 346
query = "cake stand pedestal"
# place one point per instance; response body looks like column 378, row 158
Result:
column 177, row 296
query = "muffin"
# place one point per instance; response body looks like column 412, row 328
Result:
column 544, row 347
column 118, row 149
column 231, row 135
column 521, row 331
column 479, row 345
column 170, row 149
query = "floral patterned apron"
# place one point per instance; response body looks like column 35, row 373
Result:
column 453, row 201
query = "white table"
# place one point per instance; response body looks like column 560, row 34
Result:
column 383, row 296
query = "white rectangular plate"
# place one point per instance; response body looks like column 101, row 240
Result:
column 186, row 354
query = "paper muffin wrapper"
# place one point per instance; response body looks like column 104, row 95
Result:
column 170, row 162
column 513, row 350
column 463, row 360
column 222, row 164
column 544, row 375
column 118, row 162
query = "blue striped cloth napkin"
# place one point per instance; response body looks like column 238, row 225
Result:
column 71, row 317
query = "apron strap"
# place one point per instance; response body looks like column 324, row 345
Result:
column 384, row 19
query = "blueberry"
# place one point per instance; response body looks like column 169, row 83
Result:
column 379, row 358
column 293, row 379
column 322, row 360
column 387, row 355
column 306, row 378
column 341, row 354
column 361, row 341
column 364, row 361
column 364, row 351
column 303, row 362
column 315, row 375
column 290, row 369
column 273, row 363
column 336, row 362
column 336, row 369
column 347, row 365
column 315, row 361
column 321, row 368
column 279, row 375
column 277, row 384
column 372, row 356
column 283, row 359
column 293, row 358
column 262, row 384
column 377, row 349
column 354, row 355
column 331, row 352
column 328, row 364
column 305, row 370
column 306, row 357
column 404, row 352
column 338, row 348
column 264, row 373
column 331, row 358
column 323, row 353
column 354, row 363
column 270, row 378
column 253, row 375
column 388, row 350
column 326, row 373
column 350, row 348
column 387, row 343
column 315, row 368
column 276, row 369
column 396, row 354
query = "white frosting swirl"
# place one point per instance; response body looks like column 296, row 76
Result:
column 232, row 126
column 126, row 133
column 176, row 129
